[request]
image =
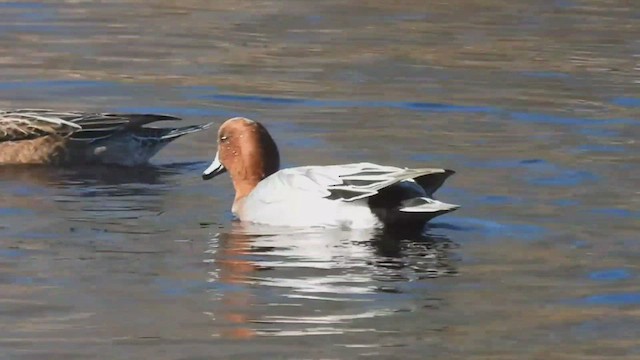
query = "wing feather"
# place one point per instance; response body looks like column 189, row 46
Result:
column 101, row 126
column 27, row 124
column 347, row 182
column 365, row 183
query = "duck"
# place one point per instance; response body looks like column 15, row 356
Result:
column 49, row 137
column 349, row 196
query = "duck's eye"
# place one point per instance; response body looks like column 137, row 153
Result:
column 223, row 138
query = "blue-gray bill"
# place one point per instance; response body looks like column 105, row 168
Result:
column 216, row 168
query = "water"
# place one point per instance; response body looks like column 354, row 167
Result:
column 535, row 104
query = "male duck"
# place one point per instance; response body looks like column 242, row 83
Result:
column 359, row 195
column 34, row 136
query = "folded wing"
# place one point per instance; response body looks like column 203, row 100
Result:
column 350, row 182
column 29, row 124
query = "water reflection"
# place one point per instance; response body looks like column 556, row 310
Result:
column 81, row 176
column 533, row 103
column 282, row 282
column 106, row 199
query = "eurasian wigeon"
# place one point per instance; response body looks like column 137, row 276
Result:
column 34, row 136
column 359, row 195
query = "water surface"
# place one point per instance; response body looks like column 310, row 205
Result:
column 534, row 104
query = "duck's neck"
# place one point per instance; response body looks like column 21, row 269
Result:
column 256, row 163
column 244, row 187
column 247, row 178
column 236, row 208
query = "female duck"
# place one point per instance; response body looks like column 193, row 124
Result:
column 358, row 195
column 49, row 137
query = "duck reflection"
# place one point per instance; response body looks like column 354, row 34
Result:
column 232, row 273
column 280, row 281
column 34, row 175
column 108, row 197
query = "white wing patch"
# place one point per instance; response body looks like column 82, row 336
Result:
column 368, row 179
column 348, row 182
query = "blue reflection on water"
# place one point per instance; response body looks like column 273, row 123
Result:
column 5, row 211
column 624, row 213
column 610, row 275
column 491, row 228
column 613, row 299
column 12, row 253
column 599, row 148
column 626, row 101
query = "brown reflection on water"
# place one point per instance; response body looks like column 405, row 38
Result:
column 234, row 270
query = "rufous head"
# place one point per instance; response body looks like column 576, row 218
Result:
column 247, row 152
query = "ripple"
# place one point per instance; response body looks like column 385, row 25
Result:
column 409, row 105
column 10, row 211
column 545, row 74
column 622, row 213
column 565, row 178
column 599, row 132
column 492, row 228
column 296, row 272
column 540, row 118
column 610, row 275
column 12, row 253
column 541, row 172
column 499, row 199
column 565, row 202
column 613, row 299
column 626, row 102
column 176, row 111
column 22, row 5
column 599, row 148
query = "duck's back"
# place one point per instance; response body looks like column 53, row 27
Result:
column 359, row 195
column 37, row 136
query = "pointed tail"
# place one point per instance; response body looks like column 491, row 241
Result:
column 177, row 132
column 423, row 209
column 426, row 205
